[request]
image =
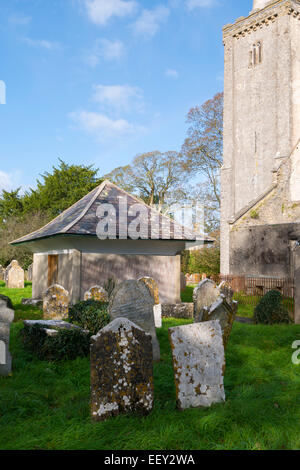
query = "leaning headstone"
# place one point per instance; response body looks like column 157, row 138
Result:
column 224, row 312
column 152, row 286
column 6, row 318
column 199, row 364
column 96, row 293
column 205, row 294
column 56, row 303
column 14, row 276
column 121, row 370
column 132, row 300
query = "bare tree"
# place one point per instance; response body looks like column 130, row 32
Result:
column 202, row 150
column 155, row 177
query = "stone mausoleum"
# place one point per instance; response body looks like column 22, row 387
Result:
column 260, row 178
column 69, row 252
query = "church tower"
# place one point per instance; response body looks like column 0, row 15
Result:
column 261, row 115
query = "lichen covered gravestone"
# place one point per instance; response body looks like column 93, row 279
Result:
column 6, row 318
column 132, row 300
column 56, row 303
column 96, row 293
column 14, row 276
column 152, row 286
column 121, row 370
column 205, row 294
column 199, row 364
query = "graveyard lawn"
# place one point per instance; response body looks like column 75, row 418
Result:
column 46, row 405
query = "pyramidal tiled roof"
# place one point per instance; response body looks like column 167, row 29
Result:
column 82, row 219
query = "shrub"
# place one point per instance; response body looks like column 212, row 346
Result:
column 90, row 315
column 66, row 345
column 270, row 310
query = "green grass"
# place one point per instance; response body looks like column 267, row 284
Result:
column 46, row 405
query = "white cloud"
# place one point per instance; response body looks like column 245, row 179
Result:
column 103, row 127
column 107, row 50
column 9, row 181
column 172, row 73
column 119, row 97
column 192, row 4
column 100, row 11
column 150, row 21
column 41, row 43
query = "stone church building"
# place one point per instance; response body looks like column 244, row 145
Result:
column 260, row 177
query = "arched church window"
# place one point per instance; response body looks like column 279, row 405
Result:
column 255, row 54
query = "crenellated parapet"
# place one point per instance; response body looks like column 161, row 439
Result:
column 259, row 19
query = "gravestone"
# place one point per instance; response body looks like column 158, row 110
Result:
column 227, row 291
column 96, row 293
column 56, row 303
column 6, row 318
column 224, row 312
column 157, row 309
column 2, row 273
column 205, row 294
column 153, row 288
column 132, row 300
column 121, row 370
column 14, row 276
column 199, row 364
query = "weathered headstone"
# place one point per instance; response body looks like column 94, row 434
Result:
column 227, row 291
column 224, row 312
column 121, row 370
column 205, row 294
column 96, row 293
column 56, row 303
column 152, row 286
column 132, row 300
column 157, row 309
column 14, row 276
column 199, row 364
column 6, row 318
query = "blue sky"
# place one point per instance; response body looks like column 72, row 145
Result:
column 99, row 81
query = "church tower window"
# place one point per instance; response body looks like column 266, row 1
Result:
column 255, row 55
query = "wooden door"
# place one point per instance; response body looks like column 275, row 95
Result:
column 52, row 270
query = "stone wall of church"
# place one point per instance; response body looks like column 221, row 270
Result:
column 261, row 110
